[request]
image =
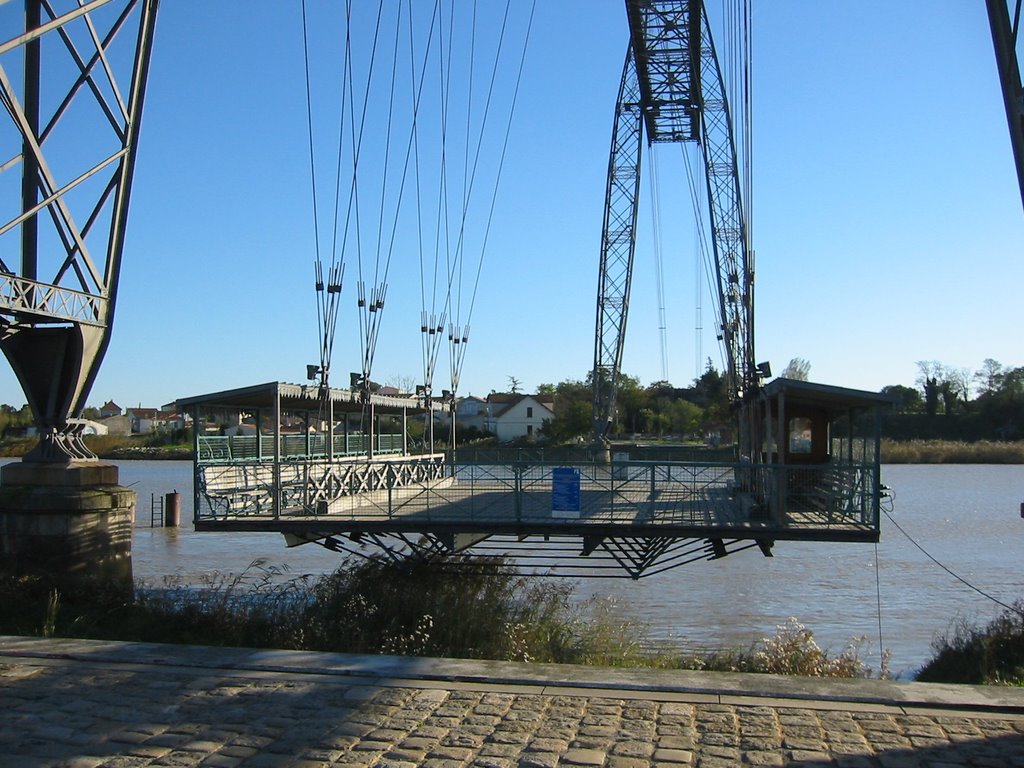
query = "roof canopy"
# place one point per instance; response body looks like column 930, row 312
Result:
column 825, row 396
column 297, row 397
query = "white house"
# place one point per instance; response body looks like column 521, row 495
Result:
column 471, row 411
column 515, row 416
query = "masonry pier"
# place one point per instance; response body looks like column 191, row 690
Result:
column 71, row 523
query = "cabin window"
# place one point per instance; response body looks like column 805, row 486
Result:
column 529, row 411
column 800, row 435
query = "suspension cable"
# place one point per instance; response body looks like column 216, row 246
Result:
column 322, row 316
column 702, row 235
column 457, row 369
column 659, row 261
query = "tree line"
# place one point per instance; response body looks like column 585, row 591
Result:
column 946, row 403
column 959, row 404
column 657, row 410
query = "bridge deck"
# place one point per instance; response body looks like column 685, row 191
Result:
column 636, row 498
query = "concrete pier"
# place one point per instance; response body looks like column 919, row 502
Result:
column 69, row 522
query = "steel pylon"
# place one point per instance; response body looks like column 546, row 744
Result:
column 672, row 90
column 1005, row 40
column 72, row 85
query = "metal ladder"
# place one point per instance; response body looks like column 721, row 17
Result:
column 156, row 510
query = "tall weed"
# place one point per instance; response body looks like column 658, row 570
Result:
column 993, row 654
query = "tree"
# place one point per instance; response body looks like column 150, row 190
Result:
column 15, row 417
column 573, row 412
column 709, row 388
column 686, row 417
column 952, row 385
column 514, row 385
column 959, row 381
column 931, row 396
column 401, row 382
column 931, row 377
column 797, row 369
column 909, row 399
column 988, row 376
column 1001, row 407
column 629, row 401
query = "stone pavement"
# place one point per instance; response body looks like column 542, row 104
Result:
column 86, row 704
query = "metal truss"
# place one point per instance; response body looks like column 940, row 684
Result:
column 72, row 85
column 595, row 557
column 1005, row 40
column 729, row 239
column 311, row 488
column 671, row 87
column 618, row 243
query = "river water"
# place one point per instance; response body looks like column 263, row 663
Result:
column 966, row 516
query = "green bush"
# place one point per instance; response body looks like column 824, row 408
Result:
column 993, row 654
column 455, row 606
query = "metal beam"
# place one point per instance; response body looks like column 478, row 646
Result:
column 618, row 243
column 1004, row 41
column 56, row 312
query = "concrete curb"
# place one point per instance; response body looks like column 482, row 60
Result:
column 720, row 687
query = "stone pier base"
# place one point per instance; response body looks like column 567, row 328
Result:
column 71, row 524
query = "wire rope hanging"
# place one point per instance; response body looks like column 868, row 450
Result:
column 425, row 92
column 659, row 258
column 464, row 213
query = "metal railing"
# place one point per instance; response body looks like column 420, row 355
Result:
column 305, row 488
column 409, row 491
column 246, row 448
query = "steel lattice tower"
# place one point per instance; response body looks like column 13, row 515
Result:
column 672, row 91
column 72, row 85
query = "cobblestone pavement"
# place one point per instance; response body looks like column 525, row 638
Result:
column 69, row 710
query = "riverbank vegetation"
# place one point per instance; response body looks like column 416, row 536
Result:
column 459, row 607
column 951, row 415
column 993, row 654
column 951, row 452
column 175, row 445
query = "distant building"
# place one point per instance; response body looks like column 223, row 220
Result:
column 110, row 408
column 95, row 428
column 471, row 411
column 147, row 420
column 512, row 417
column 117, row 425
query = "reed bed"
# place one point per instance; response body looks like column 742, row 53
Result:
column 951, row 452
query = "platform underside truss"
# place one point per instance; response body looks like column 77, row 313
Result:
column 559, row 555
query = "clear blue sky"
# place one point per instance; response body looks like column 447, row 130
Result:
column 887, row 222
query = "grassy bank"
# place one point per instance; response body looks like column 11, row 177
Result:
column 114, row 446
column 951, row 452
column 482, row 611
